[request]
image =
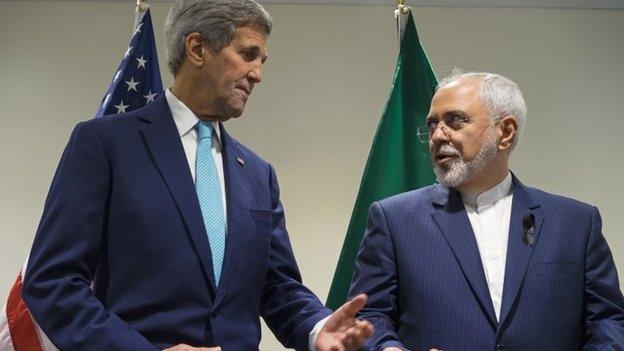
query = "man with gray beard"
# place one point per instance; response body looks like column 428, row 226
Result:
column 481, row 261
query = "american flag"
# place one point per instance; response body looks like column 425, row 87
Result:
column 136, row 83
column 137, row 79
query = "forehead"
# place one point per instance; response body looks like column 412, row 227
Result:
column 461, row 95
column 250, row 36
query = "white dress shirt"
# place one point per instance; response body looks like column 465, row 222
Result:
column 489, row 214
column 185, row 121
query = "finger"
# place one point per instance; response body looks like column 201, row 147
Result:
column 350, row 308
column 367, row 327
column 349, row 340
column 334, row 346
column 345, row 314
column 361, row 331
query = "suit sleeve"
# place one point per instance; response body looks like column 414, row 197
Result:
column 66, row 250
column 376, row 275
column 604, row 304
column 290, row 309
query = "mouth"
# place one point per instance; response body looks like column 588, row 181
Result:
column 445, row 154
column 441, row 158
column 245, row 90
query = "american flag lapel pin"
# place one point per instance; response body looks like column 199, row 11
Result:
column 240, row 160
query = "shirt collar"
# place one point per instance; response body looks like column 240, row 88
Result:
column 490, row 196
column 184, row 119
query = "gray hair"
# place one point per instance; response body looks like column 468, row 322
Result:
column 500, row 95
column 214, row 20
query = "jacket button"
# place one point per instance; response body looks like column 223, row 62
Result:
column 500, row 347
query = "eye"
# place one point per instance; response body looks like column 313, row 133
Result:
column 249, row 55
column 431, row 125
column 252, row 53
column 456, row 121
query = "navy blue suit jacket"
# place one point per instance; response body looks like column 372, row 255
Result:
column 420, row 265
column 122, row 213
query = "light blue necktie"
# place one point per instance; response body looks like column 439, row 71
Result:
column 208, row 190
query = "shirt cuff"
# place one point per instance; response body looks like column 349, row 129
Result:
column 315, row 333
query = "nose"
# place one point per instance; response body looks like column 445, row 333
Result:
column 255, row 73
column 440, row 133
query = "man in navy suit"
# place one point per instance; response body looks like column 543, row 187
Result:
column 481, row 261
column 177, row 226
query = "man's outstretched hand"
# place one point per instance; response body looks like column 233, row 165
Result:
column 342, row 331
column 185, row 347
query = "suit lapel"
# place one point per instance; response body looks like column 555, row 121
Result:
column 163, row 141
column 450, row 216
column 518, row 251
column 238, row 202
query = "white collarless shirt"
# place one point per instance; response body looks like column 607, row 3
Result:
column 489, row 214
column 185, row 121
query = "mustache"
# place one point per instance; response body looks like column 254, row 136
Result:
column 445, row 149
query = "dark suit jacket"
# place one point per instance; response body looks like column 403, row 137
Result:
column 420, row 265
column 122, row 212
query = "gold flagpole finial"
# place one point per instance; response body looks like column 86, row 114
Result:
column 141, row 9
column 402, row 9
column 142, row 6
column 400, row 15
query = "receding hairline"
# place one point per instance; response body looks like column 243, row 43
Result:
column 476, row 80
column 473, row 83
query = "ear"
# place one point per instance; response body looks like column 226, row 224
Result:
column 508, row 132
column 196, row 54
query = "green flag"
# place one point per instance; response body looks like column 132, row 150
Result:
column 398, row 161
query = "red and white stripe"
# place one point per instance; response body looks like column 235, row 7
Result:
column 18, row 330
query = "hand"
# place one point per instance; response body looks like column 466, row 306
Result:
column 343, row 331
column 185, row 347
column 398, row 349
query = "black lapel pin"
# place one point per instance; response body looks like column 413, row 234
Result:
column 528, row 223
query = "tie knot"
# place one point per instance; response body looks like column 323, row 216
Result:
column 204, row 130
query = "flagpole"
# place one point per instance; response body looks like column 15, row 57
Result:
column 398, row 161
column 400, row 14
column 141, row 8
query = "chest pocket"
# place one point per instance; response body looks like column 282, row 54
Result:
column 558, row 268
column 261, row 215
column 262, row 227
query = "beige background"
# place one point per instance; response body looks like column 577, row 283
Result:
column 314, row 115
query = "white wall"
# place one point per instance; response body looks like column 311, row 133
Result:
column 315, row 113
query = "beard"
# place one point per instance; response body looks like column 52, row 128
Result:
column 457, row 171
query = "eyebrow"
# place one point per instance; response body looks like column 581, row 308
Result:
column 456, row 112
column 460, row 113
